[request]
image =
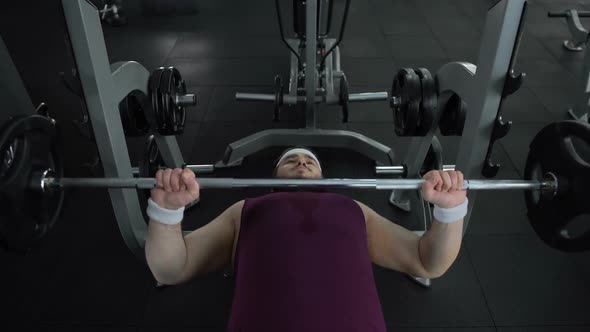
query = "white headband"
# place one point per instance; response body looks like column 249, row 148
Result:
column 299, row 151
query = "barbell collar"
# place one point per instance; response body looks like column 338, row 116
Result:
column 368, row 96
column 240, row 96
column 185, row 100
column 400, row 170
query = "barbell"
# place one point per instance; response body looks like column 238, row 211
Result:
column 556, row 181
column 379, row 170
column 45, row 181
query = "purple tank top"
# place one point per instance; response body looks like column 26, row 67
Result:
column 302, row 264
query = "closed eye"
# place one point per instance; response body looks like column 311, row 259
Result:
column 294, row 159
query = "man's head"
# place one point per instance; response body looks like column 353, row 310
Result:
column 297, row 163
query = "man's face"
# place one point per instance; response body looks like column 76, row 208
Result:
column 299, row 166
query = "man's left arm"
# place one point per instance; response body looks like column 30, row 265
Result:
column 430, row 256
column 394, row 247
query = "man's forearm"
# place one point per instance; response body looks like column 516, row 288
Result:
column 439, row 247
column 165, row 252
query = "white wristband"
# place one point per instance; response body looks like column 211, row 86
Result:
column 447, row 216
column 164, row 216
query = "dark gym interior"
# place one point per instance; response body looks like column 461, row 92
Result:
column 84, row 278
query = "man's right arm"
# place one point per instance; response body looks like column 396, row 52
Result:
column 174, row 258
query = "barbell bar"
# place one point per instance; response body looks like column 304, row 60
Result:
column 379, row 170
column 47, row 181
column 199, row 169
column 581, row 13
column 292, row 100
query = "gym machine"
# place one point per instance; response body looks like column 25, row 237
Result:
column 315, row 77
column 576, row 44
column 461, row 99
column 456, row 88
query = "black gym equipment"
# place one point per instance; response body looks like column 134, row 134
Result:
column 169, row 99
column 414, row 102
column 28, row 148
column 405, row 100
column 562, row 149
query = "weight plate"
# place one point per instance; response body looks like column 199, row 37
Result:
column 178, row 89
column 153, row 85
column 407, row 94
column 428, row 103
column 167, row 106
column 26, row 213
column 563, row 149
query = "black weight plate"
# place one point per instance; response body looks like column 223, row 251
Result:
column 428, row 104
column 178, row 87
column 167, row 106
column 553, row 150
column 27, row 215
column 406, row 89
column 153, row 85
column 171, row 92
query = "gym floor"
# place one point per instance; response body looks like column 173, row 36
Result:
column 505, row 279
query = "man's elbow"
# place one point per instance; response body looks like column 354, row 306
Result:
column 166, row 279
column 438, row 271
column 435, row 274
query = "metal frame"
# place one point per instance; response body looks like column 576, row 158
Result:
column 481, row 88
column 321, row 85
column 104, row 86
column 236, row 151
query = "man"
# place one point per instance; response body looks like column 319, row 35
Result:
column 301, row 259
